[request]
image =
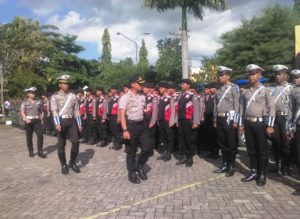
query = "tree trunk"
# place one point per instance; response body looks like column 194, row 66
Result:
column 184, row 45
column 2, row 90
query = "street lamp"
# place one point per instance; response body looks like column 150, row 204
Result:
column 135, row 43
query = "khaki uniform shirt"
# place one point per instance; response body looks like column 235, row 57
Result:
column 294, row 106
column 282, row 98
column 133, row 105
column 32, row 109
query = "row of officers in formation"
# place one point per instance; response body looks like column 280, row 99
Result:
column 142, row 116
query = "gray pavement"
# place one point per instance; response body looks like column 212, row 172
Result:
column 35, row 187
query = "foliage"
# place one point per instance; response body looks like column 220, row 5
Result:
column 265, row 40
column 168, row 65
column 143, row 60
column 208, row 72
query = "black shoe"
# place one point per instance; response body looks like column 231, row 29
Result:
column 82, row 141
column 285, row 170
column 229, row 171
column 274, row 169
column 141, row 173
column 222, row 169
column 91, row 142
column 261, row 180
column 104, row 143
column 64, row 169
column 162, row 156
column 42, row 155
column 189, row 161
column 252, row 175
column 74, row 167
column 296, row 193
column 133, row 178
column 31, row 154
column 99, row 144
column 167, row 157
column 189, row 164
column 116, row 147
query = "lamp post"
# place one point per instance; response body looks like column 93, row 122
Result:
column 135, row 43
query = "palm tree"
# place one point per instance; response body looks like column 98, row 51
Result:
column 196, row 8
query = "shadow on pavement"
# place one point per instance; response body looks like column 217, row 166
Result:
column 85, row 156
column 49, row 149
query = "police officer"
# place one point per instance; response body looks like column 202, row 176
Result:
column 82, row 109
column 101, row 117
column 65, row 109
column 294, row 117
column 150, row 111
column 132, row 106
column 114, row 123
column 32, row 114
column 46, row 113
column 188, row 122
column 280, row 144
column 257, row 116
column 226, row 115
column 166, row 133
column 90, row 106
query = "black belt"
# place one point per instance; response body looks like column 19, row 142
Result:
column 134, row 122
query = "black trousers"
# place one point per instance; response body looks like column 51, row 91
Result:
column 139, row 136
column 68, row 126
column 35, row 125
column 115, row 128
column 280, row 144
column 91, row 128
column 83, row 134
column 187, row 137
column 166, row 135
column 210, row 134
column 257, row 144
column 101, row 128
column 152, row 134
column 226, row 139
column 297, row 144
column 47, row 124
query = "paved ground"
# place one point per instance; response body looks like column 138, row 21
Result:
column 35, row 188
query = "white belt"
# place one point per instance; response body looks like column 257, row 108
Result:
column 32, row 117
column 223, row 114
column 254, row 119
column 66, row 116
column 283, row 113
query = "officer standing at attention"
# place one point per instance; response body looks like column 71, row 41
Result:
column 32, row 114
column 294, row 117
column 257, row 116
column 65, row 109
column 226, row 115
column 188, row 122
column 280, row 144
column 131, row 107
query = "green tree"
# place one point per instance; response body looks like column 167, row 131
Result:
column 22, row 43
column 208, row 72
column 105, row 62
column 143, row 60
column 265, row 40
column 196, row 8
column 67, row 44
column 168, row 64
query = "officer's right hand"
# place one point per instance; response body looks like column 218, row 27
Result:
column 215, row 125
column 58, row 127
column 126, row 135
column 151, row 125
column 27, row 121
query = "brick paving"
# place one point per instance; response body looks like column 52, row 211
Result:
column 35, row 187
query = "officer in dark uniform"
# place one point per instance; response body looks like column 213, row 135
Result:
column 280, row 144
column 32, row 114
column 257, row 116
column 150, row 111
column 132, row 106
column 226, row 115
column 90, row 105
column 46, row 113
column 112, row 113
column 166, row 133
column 294, row 117
column 188, row 123
column 82, row 110
column 101, row 117
column 65, row 109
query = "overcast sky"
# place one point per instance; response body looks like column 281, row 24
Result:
column 88, row 18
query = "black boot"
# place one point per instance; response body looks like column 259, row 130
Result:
column 285, row 170
column 99, row 143
column 251, row 176
column 141, row 173
column 262, row 172
column 41, row 154
column 92, row 141
column 31, row 154
column 230, row 170
column 133, row 177
column 182, row 161
column 167, row 157
column 104, row 143
column 64, row 167
column 162, row 156
column 72, row 163
column 82, row 140
column 189, row 161
column 222, row 169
